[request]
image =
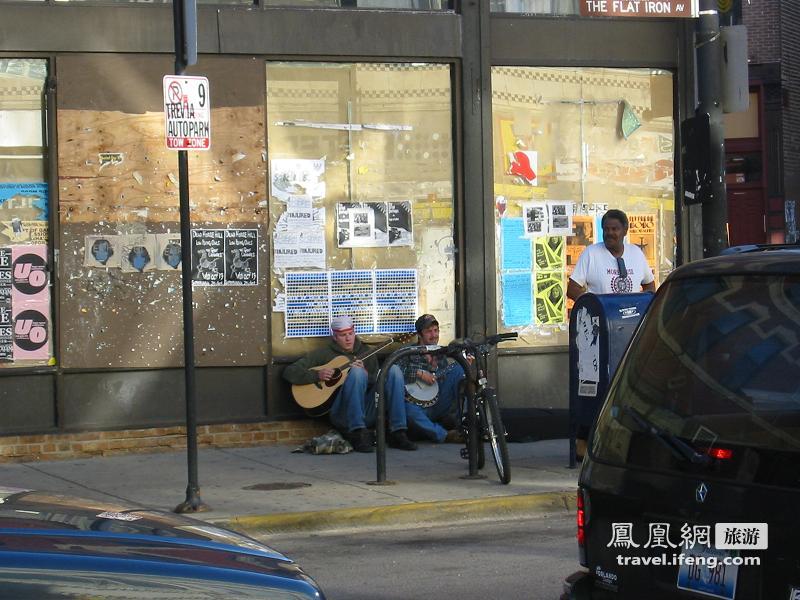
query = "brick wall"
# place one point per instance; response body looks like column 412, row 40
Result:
column 763, row 29
column 790, row 73
column 19, row 448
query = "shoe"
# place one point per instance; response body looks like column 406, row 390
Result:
column 448, row 421
column 361, row 440
column 454, row 436
column 398, row 439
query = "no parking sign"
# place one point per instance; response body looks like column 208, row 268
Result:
column 187, row 112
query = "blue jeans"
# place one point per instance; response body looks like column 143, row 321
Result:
column 424, row 420
column 355, row 405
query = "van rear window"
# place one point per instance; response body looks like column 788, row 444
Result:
column 716, row 365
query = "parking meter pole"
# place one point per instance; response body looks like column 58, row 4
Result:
column 380, row 419
column 193, row 503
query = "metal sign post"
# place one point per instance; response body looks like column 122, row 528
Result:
column 182, row 131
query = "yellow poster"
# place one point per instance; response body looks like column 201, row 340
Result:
column 549, row 253
column 642, row 232
column 549, row 296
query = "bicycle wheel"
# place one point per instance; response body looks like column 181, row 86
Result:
column 496, row 433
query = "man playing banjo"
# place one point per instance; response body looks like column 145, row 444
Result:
column 431, row 387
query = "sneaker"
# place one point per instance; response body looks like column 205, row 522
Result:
column 361, row 440
column 454, row 436
column 398, row 439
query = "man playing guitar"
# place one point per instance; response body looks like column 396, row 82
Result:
column 353, row 408
column 434, row 420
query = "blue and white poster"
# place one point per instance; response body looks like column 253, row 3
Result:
column 23, row 213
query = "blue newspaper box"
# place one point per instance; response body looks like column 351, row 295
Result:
column 600, row 327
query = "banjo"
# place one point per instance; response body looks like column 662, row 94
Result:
column 424, row 394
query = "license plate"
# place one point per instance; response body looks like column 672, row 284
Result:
column 718, row 581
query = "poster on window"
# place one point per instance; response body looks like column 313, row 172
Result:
column 535, row 216
column 23, row 213
column 297, row 177
column 6, row 332
column 31, row 330
column 300, row 248
column 582, row 236
column 6, row 274
column 374, row 224
column 30, row 276
column 642, row 233
column 549, row 298
column 559, row 215
column 549, row 253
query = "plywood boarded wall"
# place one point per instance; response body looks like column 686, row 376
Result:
column 115, row 319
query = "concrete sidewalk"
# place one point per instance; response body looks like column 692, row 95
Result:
column 271, row 489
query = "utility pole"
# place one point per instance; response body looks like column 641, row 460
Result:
column 709, row 85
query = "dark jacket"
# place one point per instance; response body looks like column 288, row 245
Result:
column 299, row 372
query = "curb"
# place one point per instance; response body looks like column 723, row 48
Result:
column 438, row 512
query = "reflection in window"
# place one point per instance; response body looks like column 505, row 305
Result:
column 361, row 198
column 569, row 144
column 536, row 7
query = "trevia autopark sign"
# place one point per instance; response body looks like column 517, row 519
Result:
column 187, row 112
column 640, row 8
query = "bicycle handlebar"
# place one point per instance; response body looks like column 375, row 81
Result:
column 466, row 344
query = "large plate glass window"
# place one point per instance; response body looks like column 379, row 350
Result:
column 25, row 314
column 569, row 144
column 360, row 183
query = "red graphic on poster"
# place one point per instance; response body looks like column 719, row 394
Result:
column 523, row 165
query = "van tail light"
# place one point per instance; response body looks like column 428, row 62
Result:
column 580, row 517
column 719, row 453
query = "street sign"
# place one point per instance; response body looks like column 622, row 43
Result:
column 639, row 8
column 187, row 112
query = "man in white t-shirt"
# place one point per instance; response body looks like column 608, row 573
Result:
column 611, row 266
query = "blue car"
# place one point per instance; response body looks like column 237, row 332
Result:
column 54, row 546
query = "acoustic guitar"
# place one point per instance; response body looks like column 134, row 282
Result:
column 316, row 398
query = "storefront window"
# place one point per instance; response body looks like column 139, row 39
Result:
column 25, row 316
column 570, row 144
column 361, row 198
column 536, row 7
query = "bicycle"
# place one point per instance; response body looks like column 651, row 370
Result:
column 479, row 412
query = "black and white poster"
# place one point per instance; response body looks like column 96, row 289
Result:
column 6, row 331
column 208, row 256
column 374, row 224
column 6, row 276
column 224, row 257
column 241, row 257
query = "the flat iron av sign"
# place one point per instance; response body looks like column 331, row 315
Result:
column 187, row 112
column 640, row 8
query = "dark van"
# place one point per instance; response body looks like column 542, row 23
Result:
column 691, row 484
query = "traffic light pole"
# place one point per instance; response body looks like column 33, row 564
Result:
column 709, row 86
